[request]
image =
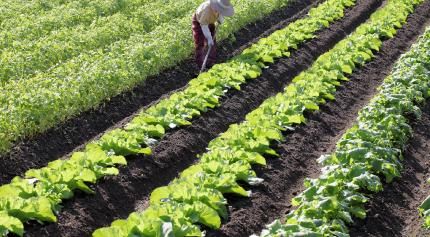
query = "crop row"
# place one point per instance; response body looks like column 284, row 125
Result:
column 370, row 149
column 10, row 8
column 42, row 190
column 28, row 56
column 41, row 102
column 424, row 58
column 196, row 197
column 32, row 26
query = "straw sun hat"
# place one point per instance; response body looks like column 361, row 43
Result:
column 224, row 7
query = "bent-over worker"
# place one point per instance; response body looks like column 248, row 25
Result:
column 204, row 19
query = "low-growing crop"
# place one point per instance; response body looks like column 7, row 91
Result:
column 13, row 8
column 196, row 197
column 27, row 56
column 61, row 178
column 71, row 13
column 424, row 210
column 41, row 102
column 371, row 149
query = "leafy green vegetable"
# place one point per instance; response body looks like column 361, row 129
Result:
column 230, row 156
column 61, row 178
column 25, row 54
column 424, row 209
column 69, row 87
column 370, row 149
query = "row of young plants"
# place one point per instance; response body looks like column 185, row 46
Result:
column 9, row 8
column 41, row 102
column 196, row 197
column 38, row 195
column 29, row 55
column 371, row 149
column 13, row 8
column 67, row 15
column 424, row 208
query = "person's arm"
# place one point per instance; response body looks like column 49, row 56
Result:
column 207, row 34
column 220, row 19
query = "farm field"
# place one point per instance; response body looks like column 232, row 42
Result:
column 315, row 119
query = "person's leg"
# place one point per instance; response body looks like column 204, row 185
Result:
column 213, row 54
column 199, row 42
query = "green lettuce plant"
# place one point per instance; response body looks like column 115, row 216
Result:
column 60, row 178
column 42, row 101
column 230, row 156
column 367, row 152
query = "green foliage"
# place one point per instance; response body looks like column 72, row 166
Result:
column 10, row 224
column 38, row 195
column 40, row 19
column 369, row 150
column 424, row 210
column 39, row 102
column 61, row 178
column 29, row 54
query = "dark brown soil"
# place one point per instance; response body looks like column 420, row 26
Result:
column 117, row 196
column 284, row 177
column 394, row 212
column 59, row 141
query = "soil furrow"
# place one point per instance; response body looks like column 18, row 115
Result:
column 394, row 212
column 37, row 151
column 117, row 196
column 284, row 176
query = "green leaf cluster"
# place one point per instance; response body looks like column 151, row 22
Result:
column 369, row 150
column 41, row 101
column 61, row 178
column 37, row 21
column 38, row 195
column 204, row 91
column 419, row 61
column 26, row 54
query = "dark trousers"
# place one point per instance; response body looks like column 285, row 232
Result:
column 200, row 44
